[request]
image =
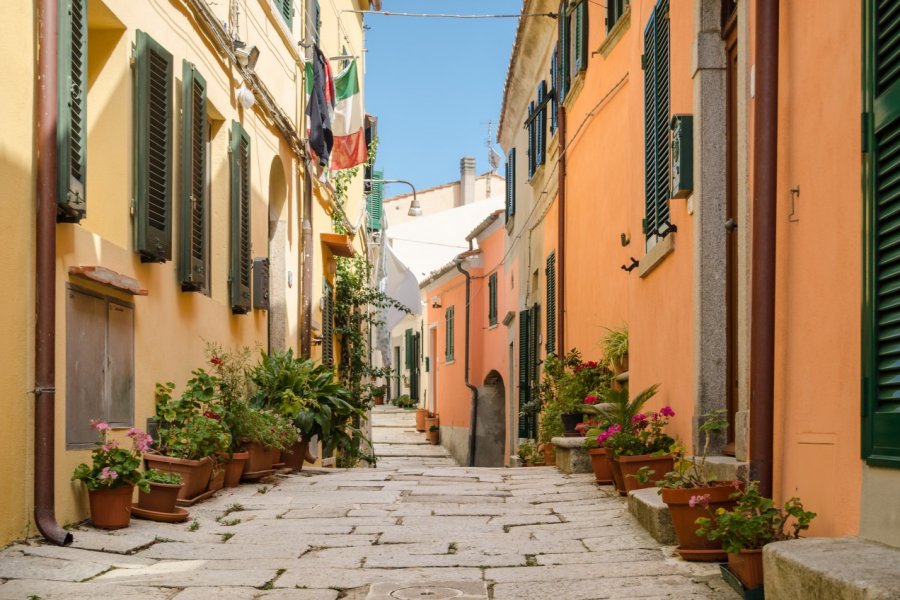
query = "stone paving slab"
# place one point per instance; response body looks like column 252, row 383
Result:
column 21, row 589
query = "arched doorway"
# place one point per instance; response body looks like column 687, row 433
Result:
column 278, row 256
column 490, row 426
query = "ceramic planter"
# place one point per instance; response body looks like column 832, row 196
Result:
column 235, row 468
column 602, row 467
column 421, row 415
column 620, row 366
column 630, row 465
column 161, row 497
column 294, row 460
column 378, row 400
column 111, row 507
column 748, row 567
column 433, row 436
column 549, row 454
column 691, row 546
column 570, row 421
column 617, row 476
column 195, row 474
column 259, row 458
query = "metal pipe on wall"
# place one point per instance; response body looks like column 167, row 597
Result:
column 473, row 414
column 561, row 233
column 45, row 280
column 765, row 170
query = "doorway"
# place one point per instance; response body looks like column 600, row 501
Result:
column 729, row 35
column 490, row 425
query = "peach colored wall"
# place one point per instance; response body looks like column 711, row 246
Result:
column 452, row 396
column 605, row 198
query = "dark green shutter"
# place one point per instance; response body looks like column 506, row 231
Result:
column 551, row 304
column 451, row 333
column 656, row 119
column 375, row 201
column 71, row 129
column 153, row 134
column 327, row 324
column 563, row 48
column 581, row 36
column 881, row 162
column 492, row 299
column 540, row 123
column 532, row 141
column 524, row 384
column 192, row 266
column 511, row 183
column 286, row 8
column 554, row 81
column 408, row 339
column 240, row 220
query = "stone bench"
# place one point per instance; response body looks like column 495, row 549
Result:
column 571, row 456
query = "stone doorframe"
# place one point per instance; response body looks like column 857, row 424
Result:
column 707, row 204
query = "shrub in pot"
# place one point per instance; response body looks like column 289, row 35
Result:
column 528, row 454
column 754, row 522
column 162, row 493
column 112, row 476
column 567, row 381
column 600, row 460
column 615, row 349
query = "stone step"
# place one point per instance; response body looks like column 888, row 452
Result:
column 648, row 508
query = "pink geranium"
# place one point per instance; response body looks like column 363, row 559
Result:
column 108, row 474
column 99, row 425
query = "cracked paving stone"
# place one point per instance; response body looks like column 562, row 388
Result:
column 57, row 590
column 190, row 573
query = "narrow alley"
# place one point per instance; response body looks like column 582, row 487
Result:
column 417, row 522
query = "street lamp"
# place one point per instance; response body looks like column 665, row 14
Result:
column 415, row 209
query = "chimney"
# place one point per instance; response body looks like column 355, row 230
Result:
column 466, row 180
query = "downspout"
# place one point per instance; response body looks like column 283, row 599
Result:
column 306, row 264
column 45, row 280
column 473, row 414
column 561, row 235
column 765, row 170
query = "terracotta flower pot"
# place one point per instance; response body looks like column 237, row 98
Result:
column 161, row 497
column 421, row 415
column 260, row 458
column 748, row 567
column 195, row 474
column 111, row 507
column 294, row 459
column 602, row 467
column 617, row 476
column 620, row 366
column 684, row 516
column 217, row 479
column 378, row 400
column 235, row 468
column 549, row 454
column 630, row 465
column 432, row 435
column 277, row 461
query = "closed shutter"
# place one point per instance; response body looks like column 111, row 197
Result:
column 881, row 351
column 408, row 346
column 286, row 8
column 540, row 123
column 240, row 220
column 451, row 331
column 580, row 34
column 71, row 129
column 563, row 48
column 532, row 141
column 656, row 119
column 492, row 299
column 153, row 150
column 327, row 324
column 554, row 101
column 375, row 201
column 511, row 183
column 192, row 267
column 551, row 304
column 524, row 385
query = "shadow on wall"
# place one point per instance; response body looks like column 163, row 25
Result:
column 490, row 427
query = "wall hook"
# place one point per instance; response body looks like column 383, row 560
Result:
column 670, row 228
column 635, row 263
column 625, row 238
column 792, row 216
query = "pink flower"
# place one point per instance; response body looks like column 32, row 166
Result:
column 99, row 425
column 591, row 399
column 108, row 474
column 143, row 444
column 112, row 445
column 667, row 411
column 638, row 418
column 702, row 500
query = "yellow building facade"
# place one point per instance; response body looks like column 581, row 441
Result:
column 183, row 171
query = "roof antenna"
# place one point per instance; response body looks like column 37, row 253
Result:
column 493, row 157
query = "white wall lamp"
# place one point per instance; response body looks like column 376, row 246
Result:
column 246, row 57
column 245, row 97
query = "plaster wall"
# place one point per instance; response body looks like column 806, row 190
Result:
column 442, row 197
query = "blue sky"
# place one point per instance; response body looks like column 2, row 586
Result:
column 434, row 84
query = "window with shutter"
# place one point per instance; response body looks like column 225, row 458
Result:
column 510, row 183
column 194, row 196
column 563, row 49
column 71, row 130
column 375, row 201
column 524, row 383
column 881, row 168
column 532, row 141
column 286, row 9
column 540, row 125
column 492, row 299
column 408, row 348
column 614, row 11
column 579, row 21
column 153, row 150
column 554, row 99
column 241, row 259
column 656, row 120
column 449, row 322
column 327, row 324
column 551, row 303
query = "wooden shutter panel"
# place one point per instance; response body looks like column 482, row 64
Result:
column 153, row 150
column 661, row 47
column 71, row 131
column 581, row 36
column 194, row 201
column 452, row 332
column 554, row 80
column 240, row 220
column 327, row 324
column 551, row 304
column 532, row 141
column 408, row 338
column 511, row 183
column 563, row 50
column 524, row 385
column 881, row 328
column 286, row 7
column 650, row 147
column 375, row 201
column 540, row 123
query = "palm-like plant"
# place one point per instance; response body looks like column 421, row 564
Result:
column 617, row 409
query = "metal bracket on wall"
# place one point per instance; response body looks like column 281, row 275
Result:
column 795, row 194
column 635, row 263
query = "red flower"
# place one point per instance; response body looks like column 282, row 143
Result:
column 216, row 361
column 211, row 415
column 590, row 399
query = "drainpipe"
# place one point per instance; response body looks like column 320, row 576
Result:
column 765, row 169
column 45, row 281
column 306, row 264
column 473, row 415
column 561, row 235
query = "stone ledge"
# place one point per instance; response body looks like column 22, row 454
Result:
column 848, row 568
column 568, row 442
column 726, row 468
column 571, row 456
column 651, row 512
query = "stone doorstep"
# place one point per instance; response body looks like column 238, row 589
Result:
column 648, row 508
column 571, row 457
column 849, row 568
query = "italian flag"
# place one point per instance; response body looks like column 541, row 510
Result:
column 349, row 133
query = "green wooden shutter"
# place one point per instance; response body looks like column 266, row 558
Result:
column 532, row 141
column 286, row 8
column 492, row 299
column 194, row 201
column 71, row 129
column 511, row 183
column 554, row 101
column 327, row 324
column 240, row 220
column 656, row 119
column 375, row 201
column 451, row 333
column 581, row 36
column 407, row 339
column 551, row 304
column 524, row 384
column 153, row 150
column 563, row 49
column 540, row 123
column 881, row 168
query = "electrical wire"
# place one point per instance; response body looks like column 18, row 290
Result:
column 385, row 13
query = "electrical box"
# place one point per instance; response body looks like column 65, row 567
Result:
column 682, row 163
column 261, row 283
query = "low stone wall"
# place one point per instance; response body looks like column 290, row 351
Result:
column 571, row 457
column 456, row 441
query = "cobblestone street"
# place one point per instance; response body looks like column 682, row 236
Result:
column 416, row 520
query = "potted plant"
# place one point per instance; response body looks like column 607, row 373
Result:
column 615, row 349
column 433, row 424
column 566, row 382
column 600, row 461
column 191, row 433
column 162, row 494
column 754, row 522
column 548, row 452
column 526, row 453
column 690, row 493
column 377, row 392
column 421, row 413
column 112, row 476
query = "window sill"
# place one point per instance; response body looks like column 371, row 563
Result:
column 574, row 90
column 538, row 173
column 615, row 34
column 656, row 254
column 450, row 362
column 493, row 326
